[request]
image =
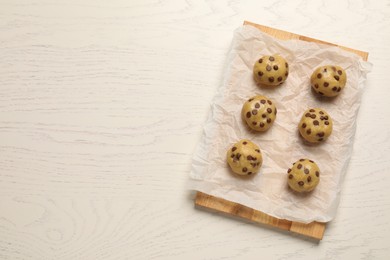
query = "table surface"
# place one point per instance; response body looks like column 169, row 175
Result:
column 102, row 105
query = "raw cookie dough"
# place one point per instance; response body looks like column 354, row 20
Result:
column 244, row 158
column 316, row 125
column 328, row 80
column 259, row 112
column 270, row 70
column 304, row 176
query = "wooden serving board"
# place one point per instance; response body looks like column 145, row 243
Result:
column 313, row 230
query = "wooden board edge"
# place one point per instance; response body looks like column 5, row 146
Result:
column 313, row 230
column 284, row 35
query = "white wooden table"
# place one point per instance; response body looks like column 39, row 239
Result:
column 102, row 104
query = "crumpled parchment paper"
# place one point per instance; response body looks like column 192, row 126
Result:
column 281, row 145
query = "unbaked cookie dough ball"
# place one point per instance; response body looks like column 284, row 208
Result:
column 316, row 125
column 259, row 112
column 328, row 80
column 270, row 70
column 244, row 158
column 303, row 176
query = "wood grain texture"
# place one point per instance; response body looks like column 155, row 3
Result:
column 102, row 104
column 284, row 35
column 313, row 230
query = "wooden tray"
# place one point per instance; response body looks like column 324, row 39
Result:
column 313, row 230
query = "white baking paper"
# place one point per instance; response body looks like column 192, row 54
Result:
column 281, row 145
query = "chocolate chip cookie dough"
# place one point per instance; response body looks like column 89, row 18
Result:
column 328, row 80
column 259, row 112
column 316, row 125
column 270, row 70
column 244, row 158
column 303, row 176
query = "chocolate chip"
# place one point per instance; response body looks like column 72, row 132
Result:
column 333, row 68
column 299, row 166
column 321, row 93
column 304, row 125
column 300, row 183
column 326, row 122
column 315, row 122
column 253, row 165
column 276, row 67
column 248, row 114
column 317, row 174
column 268, row 68
column 271, row 58
column 321, row 134
column 261, row 60
column 232, row 155
column 338, row 90
column 319, row 75
column 321, row 113
column 286, row 64
column 326, row 117
column 262, row 101
column 261, row 124
column 269, row 102
column 336, row 77
column 249, row 173
column 276, row 111
column 312, row 110
column 254, row 123
column 308, row 131
column 311, row 161
column 316, row 85
column 320, row 139
column 258, row 163
column 254, row 158
column 286, row 74
column 334, row 88
column 249, row 157
column 234, row 148
column 257, row 150
column 280, row 79
column 271, row 79
column 238, row 155
column 260, row 73
column 257, row 105
column 325, row 70
column 307, row 115
column 269, row 110
column 289, row 170
column 245, row 142
column 306, row 171
column 269, row 120
column 339, row 72
column 309, row 179
column 250, row 99
column 290, row 176
column 322, row 117
column 326, row 84
column 313, row 116
column 301, row 160
column 263, row 115
column 244, row 169
column 254, row 112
